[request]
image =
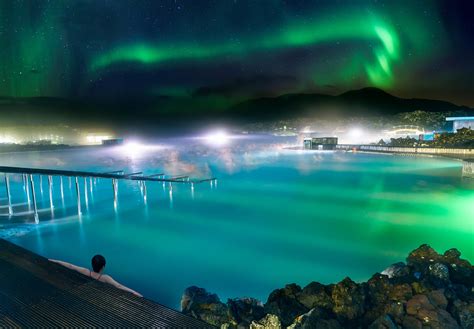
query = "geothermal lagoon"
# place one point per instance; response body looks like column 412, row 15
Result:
column 275, row 216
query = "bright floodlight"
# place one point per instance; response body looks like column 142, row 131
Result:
column 217, row 138
column 356, row 133
column 132, row 148
column 135, row 149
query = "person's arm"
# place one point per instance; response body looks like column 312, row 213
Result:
column 79, row 269
column 108, row 279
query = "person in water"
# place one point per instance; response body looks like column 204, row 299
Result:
column 97, row 273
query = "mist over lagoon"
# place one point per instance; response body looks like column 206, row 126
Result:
column 308, row 214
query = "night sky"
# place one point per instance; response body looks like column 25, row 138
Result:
column 235, row 49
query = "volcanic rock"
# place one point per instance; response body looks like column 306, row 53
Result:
column 430, row 291
column 349, row 300
column 316, row 295
column 383, row 322
column 245, row 310
column 270, row 321
column 284, row 304
column 428, row 314
column 397, row 271
column 315, row 318
column 197, row 302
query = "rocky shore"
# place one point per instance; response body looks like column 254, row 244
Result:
column 430, row 290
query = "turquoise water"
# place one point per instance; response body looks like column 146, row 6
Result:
column 276, row 216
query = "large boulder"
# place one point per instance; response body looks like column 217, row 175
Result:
column 423, row 255
column 458, row 292
column 420, row 259
column 400, row 292
column 378, row 290
column 460, row 270
column 438, row 274
column 410, row 322
column 463, row 312
column 398, row 271
column 425, row 261
column 316, row 294
column 314, row 319
column 421, row 287
column 438, row 299
column 245, row 310
column 396, row 311
column 198, row 303
column 284, row 304
column 431, row 291
column 429, row 315
column 349, row 300
column 383, row 322
column 270, row 321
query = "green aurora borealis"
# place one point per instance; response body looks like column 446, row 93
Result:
column 94, row 49
column 350, row 27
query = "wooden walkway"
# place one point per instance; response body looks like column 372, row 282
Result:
column 37, row 293
column 27, row 174
column 118, row 174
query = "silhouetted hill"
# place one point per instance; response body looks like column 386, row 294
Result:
column 172, row 112
column 362, row 102
column 43, row 110
column 368, row 95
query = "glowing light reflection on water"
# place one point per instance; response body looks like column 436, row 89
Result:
column 277, row 216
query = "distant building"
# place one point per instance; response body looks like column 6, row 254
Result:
column 468, row 168
column 320, row 143
column 461, row 122
column 426, row 136
column 112, row 141
column 96, row 138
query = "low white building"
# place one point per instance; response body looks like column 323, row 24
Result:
column 461, row 122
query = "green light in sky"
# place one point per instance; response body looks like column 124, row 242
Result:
column 390, row 43
column 353, row 26
column 346, row 46
column 33, row 59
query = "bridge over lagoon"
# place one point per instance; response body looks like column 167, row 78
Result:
column 89, row 179
column 406, row 130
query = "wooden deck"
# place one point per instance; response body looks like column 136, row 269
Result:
column 37, row 293
column 118, row 174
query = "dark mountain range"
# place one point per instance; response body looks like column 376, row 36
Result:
column 354, row 103
column 181, row 111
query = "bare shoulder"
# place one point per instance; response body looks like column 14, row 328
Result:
column 106, row 278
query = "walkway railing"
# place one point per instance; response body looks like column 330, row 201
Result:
column 28, row 182
column 396, row 149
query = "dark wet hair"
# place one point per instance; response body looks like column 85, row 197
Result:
column 98, row 263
